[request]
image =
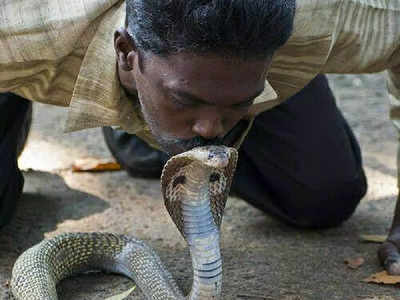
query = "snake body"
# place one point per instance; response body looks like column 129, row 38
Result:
column 195, row 186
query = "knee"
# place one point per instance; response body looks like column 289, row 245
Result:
column 327, row 206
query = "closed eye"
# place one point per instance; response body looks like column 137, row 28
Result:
column 183, row 102
column 183, row 99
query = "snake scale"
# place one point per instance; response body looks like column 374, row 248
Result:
column 195, row 186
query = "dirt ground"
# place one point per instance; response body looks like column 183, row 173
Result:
column 263, row 258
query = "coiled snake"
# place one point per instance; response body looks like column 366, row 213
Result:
column 195, row 186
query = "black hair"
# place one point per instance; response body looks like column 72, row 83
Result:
column 246, row 29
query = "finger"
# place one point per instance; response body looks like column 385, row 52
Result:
column 390, row 258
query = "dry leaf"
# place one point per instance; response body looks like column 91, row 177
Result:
column 378, row 298
column 373, row 238
column 123, row 295
column 354, row 263
column 383, row 277
column 94, row 165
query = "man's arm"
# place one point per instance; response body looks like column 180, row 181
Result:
column 389, row 252
column 366, row 40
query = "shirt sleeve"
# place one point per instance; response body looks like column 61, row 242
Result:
column 366, row 39
column 393, row 84
column 42, row 45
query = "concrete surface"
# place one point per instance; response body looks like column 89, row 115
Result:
column 263, row 258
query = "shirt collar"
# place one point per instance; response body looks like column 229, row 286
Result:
column 265, row 101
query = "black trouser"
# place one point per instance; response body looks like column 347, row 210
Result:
column 301, row 162
column 15, row 119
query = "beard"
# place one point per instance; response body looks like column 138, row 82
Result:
column 173, row 145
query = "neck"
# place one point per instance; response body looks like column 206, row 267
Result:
column 202, row 236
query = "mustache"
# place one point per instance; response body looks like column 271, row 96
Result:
column 198, row 141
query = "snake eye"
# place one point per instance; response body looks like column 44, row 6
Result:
column 214, row 177
column 179, row 180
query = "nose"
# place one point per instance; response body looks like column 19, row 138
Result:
column 208, row 125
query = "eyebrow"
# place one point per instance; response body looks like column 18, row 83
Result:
column 193, row 98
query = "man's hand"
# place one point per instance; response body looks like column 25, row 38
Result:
column 389, row 251
column 389, row 254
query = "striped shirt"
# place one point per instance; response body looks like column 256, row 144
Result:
column 61, row 52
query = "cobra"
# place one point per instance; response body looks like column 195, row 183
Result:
column 195, row 186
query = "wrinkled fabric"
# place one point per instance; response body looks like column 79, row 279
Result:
column 61, row 52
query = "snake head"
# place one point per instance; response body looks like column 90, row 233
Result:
column 203, row 172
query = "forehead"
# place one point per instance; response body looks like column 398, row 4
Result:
column 207, row 76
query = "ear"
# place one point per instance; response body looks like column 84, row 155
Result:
column 125, row 49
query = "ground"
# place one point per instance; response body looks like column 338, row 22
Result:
column 263, row 258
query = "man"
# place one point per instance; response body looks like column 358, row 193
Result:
column 187, row 73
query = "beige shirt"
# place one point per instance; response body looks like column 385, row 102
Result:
column 61, row 52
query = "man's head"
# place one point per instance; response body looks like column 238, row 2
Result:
column 197, row 65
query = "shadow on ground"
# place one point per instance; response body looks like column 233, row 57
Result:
column 39, row 212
